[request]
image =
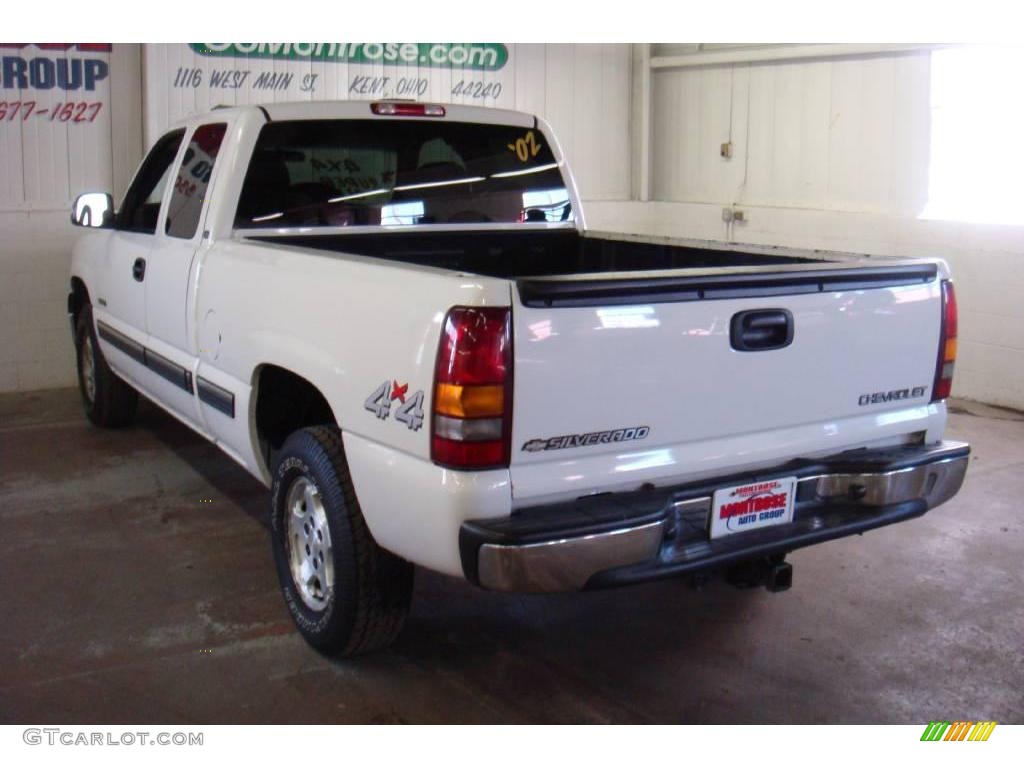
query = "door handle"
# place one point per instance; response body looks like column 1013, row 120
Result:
column 139, row 269
column 758, row 330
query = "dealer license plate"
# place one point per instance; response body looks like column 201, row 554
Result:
column 752, row 506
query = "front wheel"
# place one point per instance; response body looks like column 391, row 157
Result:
column 108, row 401
column 346, row 594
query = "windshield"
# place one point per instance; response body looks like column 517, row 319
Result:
column 337, row 173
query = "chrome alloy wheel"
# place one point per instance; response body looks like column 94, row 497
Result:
column 309, row 544
column 89, row 369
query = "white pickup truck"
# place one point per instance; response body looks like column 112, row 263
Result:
column 392, row 315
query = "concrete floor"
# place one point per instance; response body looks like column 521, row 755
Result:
column 137, row 586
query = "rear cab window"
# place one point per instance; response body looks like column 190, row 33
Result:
column 339, row 173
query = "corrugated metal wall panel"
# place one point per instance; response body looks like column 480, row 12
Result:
column 692, row 111
column 788, row 133
column 833, row 134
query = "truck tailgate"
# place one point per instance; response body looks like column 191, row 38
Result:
column 622, row 380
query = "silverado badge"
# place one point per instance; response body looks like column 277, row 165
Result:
column 588, row 438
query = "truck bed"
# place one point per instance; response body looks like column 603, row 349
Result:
column 514, row 255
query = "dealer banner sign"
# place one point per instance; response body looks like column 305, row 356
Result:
column 183, row 79
column 483, row 56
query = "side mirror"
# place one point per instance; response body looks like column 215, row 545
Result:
column 93, row 209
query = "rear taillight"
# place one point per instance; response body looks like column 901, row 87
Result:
column 407, row 109
column 947, row 345
column 472, row 414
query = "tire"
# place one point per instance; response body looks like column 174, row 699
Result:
column 109, row 401
column 356, row 595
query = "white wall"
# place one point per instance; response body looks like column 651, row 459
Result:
column 44, row 163
column 829, row 154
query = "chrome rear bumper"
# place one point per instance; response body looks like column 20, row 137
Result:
column 621, row 538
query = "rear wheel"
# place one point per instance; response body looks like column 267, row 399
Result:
column 108, row 401
column 346, row 594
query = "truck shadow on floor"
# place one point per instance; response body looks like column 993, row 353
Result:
column 655, row 652
column 225, row 476
column 525, row 643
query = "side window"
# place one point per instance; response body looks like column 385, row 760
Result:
column 141, row 205
column 193, row 180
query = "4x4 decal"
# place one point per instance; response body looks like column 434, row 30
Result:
column 410, row 410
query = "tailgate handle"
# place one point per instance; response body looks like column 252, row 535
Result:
column 757, row 330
